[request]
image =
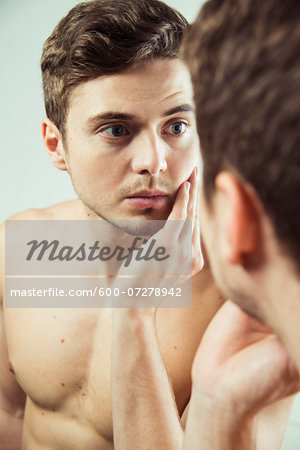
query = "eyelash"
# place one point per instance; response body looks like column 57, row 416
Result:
column 115, row 125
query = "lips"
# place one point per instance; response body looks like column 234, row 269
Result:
column 147, row 199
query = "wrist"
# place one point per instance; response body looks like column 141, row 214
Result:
column 136, row 321
column 133, row 315
column 222, row 425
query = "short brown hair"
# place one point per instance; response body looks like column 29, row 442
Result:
column 105, row 37
column 244, row 56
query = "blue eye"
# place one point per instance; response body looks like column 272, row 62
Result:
column 115, row 131
column 118, row 130
column 178, row 128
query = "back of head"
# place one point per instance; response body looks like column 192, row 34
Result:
column 245, row 62
column 104, row 37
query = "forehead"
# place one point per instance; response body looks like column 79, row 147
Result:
column 150, row 88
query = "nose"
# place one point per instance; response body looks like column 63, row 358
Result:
column 149, row 154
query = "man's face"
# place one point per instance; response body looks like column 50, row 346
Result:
column 131, row 140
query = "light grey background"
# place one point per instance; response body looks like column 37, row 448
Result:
column 27, row 178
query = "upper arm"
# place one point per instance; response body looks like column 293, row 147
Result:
column 12, row 397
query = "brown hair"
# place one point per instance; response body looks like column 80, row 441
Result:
column 245, row 63
column 104, row 37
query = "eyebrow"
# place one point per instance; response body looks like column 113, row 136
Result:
column 110, row 115
column 93, row 121
column 177, row 109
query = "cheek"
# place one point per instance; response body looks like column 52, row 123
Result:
column 185, row 161
column 190, row 150
column 87, row 166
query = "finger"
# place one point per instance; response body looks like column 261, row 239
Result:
column 198, row 260
column 179, row 211
column 177, row 218
column 196, row 238
column 196, row 229
column 193, row 195
column 188, row 228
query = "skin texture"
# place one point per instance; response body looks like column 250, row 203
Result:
column 244, row 364
column 139, row 377
column 67, row 378
column 62, row 358
column 239, row 369
column 147, row 156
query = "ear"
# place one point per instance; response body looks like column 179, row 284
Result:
column 239, row 218
column 54, row 144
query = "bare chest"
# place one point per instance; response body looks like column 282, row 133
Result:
column 62, row 360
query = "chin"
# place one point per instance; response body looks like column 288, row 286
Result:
column 139, row 227
column 137, row 222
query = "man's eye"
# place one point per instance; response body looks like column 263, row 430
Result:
column 177, row 128
column 114, row 131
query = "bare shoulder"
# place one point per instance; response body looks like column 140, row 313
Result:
column 71, row 209
column 68, row 210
